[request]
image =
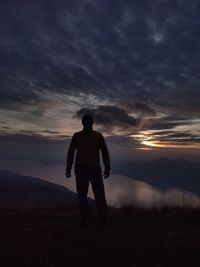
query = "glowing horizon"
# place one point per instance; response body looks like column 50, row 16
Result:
column 164, row 145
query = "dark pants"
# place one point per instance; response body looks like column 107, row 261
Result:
column 84, row 175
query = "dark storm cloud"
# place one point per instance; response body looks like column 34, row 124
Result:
column 109, row 116
column 117, row 50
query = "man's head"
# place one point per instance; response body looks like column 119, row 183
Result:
column 87, row 121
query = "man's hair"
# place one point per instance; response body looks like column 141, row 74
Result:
column 87, row 120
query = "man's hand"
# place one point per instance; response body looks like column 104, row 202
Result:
column 68, row 174
column 106, row 173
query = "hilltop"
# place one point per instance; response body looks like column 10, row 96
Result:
column 51, row 236
column 18, row 191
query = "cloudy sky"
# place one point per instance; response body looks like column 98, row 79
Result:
column 134, row 65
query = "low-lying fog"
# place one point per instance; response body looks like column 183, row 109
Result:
column 120, row 190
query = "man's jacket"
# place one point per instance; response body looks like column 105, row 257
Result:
column 87, row 145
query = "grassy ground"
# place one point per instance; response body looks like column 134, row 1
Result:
column 137, row 237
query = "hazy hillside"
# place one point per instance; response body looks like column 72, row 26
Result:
column 23, row 191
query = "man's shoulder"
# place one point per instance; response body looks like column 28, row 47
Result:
column 78, row 133
column 98, row 135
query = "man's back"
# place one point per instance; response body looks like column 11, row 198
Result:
column 87, row 145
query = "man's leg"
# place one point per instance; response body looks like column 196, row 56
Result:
column 82, row 183
column 96, row 180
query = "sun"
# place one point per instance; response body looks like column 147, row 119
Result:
column 159, row 144
column 151, row 143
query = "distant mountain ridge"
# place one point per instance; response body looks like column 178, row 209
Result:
column 164, row 173
column 26, row 191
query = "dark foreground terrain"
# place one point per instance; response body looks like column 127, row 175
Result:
column 136, row 237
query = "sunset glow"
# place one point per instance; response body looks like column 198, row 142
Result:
column 151, row 143
column 163, row 145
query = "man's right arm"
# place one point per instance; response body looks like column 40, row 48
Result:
column 70, row 156
column 105, row 155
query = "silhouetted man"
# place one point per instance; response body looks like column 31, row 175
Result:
column 87, row 144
